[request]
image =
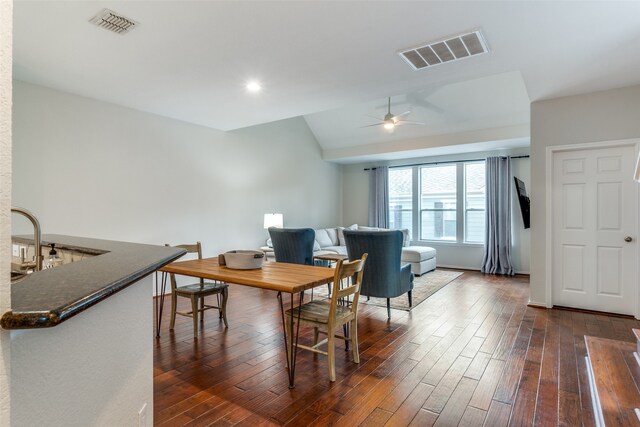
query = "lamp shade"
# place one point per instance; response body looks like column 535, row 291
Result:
column 273, row 220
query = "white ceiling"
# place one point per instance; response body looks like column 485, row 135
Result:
column 333, row 62
column 483, row 103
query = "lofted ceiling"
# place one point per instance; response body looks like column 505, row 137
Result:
column 333, row 62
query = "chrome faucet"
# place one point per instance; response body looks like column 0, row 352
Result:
column 37, row 235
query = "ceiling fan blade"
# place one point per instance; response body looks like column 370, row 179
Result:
column 373, row 117
column 375, row 124
column 402, row 114
column 408, row 122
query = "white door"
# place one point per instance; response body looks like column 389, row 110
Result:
column 595, row 229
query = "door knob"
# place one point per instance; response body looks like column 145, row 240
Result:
column 628, row 239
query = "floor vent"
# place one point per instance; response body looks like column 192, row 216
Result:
column 451, row 49
column 110, row 20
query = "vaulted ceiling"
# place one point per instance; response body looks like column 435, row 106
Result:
column 333, row 62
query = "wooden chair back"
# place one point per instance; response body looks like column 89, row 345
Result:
column 346, row 282
column 191, row 249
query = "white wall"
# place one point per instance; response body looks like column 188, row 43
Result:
column 95, row 369
column 94, row 169
column 356, row 199
column 89, row 168
column 6, row 26
column 599, row 116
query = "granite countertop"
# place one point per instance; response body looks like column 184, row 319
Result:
column 49, row 297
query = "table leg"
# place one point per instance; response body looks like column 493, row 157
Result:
column 291, row 346
column 160, row 300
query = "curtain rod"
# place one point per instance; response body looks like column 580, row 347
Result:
column 446, row 162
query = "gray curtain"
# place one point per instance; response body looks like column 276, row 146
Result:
column 379, row 197
column 497, row 243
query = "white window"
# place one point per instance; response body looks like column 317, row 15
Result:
column 474, row 202
column 442, row 202
column 438, row 202
column 401, row 199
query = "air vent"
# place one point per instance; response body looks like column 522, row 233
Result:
column 450, row 49
column 110, row 20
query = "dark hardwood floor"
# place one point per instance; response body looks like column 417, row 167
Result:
column 473, row 354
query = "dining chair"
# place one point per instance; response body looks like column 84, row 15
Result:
column 385, row 276
column 196, row 292
column 293, row 245
column 325, row 316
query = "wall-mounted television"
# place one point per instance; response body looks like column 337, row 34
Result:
column 523, row 199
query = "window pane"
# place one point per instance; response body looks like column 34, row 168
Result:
column 438, row 225
column 475, row 196
column 475, row 226
column 438, row 202
column 401, row 199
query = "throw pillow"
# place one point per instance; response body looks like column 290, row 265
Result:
column 322, row 237
column 406, row 240
column 341, row 234
column 316, row 246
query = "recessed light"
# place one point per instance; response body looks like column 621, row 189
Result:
column 253, row 86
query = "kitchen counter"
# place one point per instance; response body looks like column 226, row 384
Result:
column 49, row 297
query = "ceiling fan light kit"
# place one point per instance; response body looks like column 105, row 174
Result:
column 390, row 121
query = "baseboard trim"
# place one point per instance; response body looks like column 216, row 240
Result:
column 457, row 267
column 536, row 304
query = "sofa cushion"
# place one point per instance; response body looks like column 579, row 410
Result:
column 333, row 235
column 417, row 253
column 342, row 250
column 323, row 238
column 316, row 246
column 341, row 241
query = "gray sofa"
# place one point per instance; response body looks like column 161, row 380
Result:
column 331, row 240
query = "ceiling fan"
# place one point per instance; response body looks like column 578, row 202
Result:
column 390, row 121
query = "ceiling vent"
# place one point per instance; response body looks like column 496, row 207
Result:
column 110, row 20
column 450, row 49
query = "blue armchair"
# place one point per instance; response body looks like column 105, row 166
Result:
column 384, row 276
column 293, row 245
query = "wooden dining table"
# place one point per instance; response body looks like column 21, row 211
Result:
column 275, row 276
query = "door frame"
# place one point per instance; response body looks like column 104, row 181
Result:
column 550, row 152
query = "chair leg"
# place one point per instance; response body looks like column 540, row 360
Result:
column 174, row 303
column 194, row 314
column 354, row 340
column 409, row 295
column 345, row 332
column 201, row 309
column 219, row 309
column 316, row 333
column 389, row 308
column 331, row 352
column 223, row 312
